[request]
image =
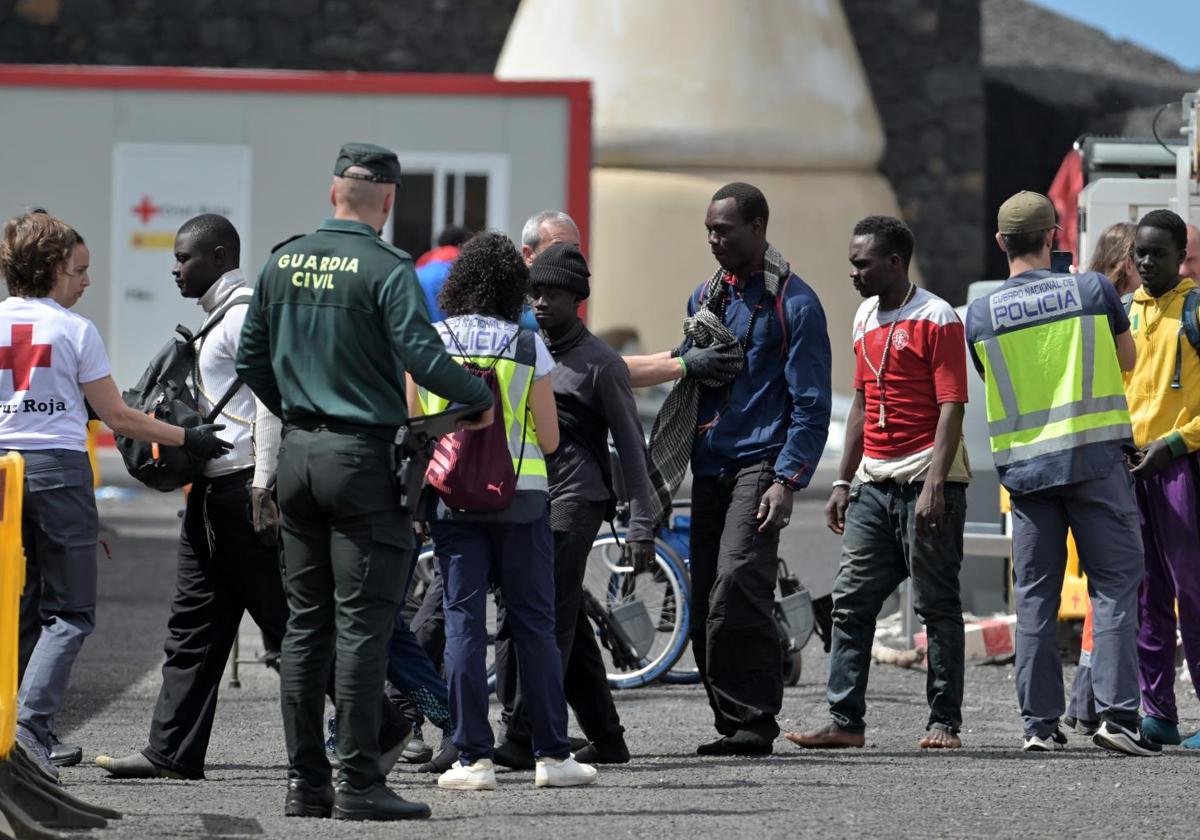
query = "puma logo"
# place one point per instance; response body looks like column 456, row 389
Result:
column 498, row 489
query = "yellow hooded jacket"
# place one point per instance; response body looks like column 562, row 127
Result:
column 1156, row 409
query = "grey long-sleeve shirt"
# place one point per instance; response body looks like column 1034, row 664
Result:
column 591, row 379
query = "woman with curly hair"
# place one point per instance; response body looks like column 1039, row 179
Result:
column 54, row 360
column 1113, row 257
column 512, row 546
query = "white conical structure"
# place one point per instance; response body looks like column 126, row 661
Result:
column 691, row 94
column 763, row 83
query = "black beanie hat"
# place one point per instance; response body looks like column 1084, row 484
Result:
column 561, row 265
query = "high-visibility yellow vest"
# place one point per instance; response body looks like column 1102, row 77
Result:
column 514, row 366
column 1053, row 387
column 1053, row 384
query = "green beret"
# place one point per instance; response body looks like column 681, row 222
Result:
column 382, row 163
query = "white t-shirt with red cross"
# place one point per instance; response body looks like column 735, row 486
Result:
column 46, row 353
column 926, row 366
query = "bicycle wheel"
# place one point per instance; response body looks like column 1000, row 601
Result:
column 641, row 619
column 682, row 674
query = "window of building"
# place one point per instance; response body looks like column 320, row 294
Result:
column 437, row 190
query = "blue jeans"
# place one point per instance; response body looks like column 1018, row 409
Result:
column 520, row 557
column 880, row 548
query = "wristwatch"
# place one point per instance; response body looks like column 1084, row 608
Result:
column 786, row 482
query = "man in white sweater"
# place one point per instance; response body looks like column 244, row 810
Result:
column 228, row 561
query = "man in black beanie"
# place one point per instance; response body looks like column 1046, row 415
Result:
column 593, row 396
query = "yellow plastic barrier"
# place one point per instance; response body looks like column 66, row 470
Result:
column 1074, row 603
column 93, row 428
column 1074, row 599
column 12, row 581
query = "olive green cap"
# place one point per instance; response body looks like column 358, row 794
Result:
column 382, row 163
column 1026, row 212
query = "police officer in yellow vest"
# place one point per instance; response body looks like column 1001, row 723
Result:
column 505, row 537
column 1051, row 348
column 336, row 321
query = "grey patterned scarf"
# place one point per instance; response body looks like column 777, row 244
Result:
column 675, row 426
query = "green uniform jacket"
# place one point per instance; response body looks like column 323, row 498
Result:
column 337, row 318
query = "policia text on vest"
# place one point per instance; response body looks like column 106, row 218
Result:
column 1038, row 300
column 1055, row 399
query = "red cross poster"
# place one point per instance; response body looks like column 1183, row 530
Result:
column 156, row 188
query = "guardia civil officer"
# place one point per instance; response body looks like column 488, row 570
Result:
column 336, row 320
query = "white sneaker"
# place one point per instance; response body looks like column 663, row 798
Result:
column 567, row 772
column 478, row 776
column 1053, row 742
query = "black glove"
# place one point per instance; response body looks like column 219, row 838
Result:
column 640, row 555
column 202, row 441
column 720, row 362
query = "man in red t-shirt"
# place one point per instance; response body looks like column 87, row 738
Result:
column 900, row 497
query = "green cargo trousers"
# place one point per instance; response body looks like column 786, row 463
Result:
column 347, row 548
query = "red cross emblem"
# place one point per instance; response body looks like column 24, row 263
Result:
column 146, row 209
column 23, row 356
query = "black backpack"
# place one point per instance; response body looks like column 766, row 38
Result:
column 164, row 393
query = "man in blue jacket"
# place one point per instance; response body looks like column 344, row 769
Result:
column 752, row 412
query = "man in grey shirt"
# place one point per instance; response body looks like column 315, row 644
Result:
column 593, row 396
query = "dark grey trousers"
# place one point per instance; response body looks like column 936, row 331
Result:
column 734, row 566
column 1103, row 516
column 60, row 529
column 881, row 548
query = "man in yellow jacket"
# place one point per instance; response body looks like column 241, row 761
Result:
column 1163, row 391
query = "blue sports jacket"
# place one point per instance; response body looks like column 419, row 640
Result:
column 777, row 408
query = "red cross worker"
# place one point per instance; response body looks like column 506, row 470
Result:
column 52, row 366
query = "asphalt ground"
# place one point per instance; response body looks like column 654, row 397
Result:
column 890, row 788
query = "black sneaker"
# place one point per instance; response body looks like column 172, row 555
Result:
column 64, row 755
column 374, row 802
column 514, row 756
column 417, row 751
column 612, row 750
column 1113, row 736
column 1055, row 741
column 441, row 762
column 304, row 800
column 742, row 742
